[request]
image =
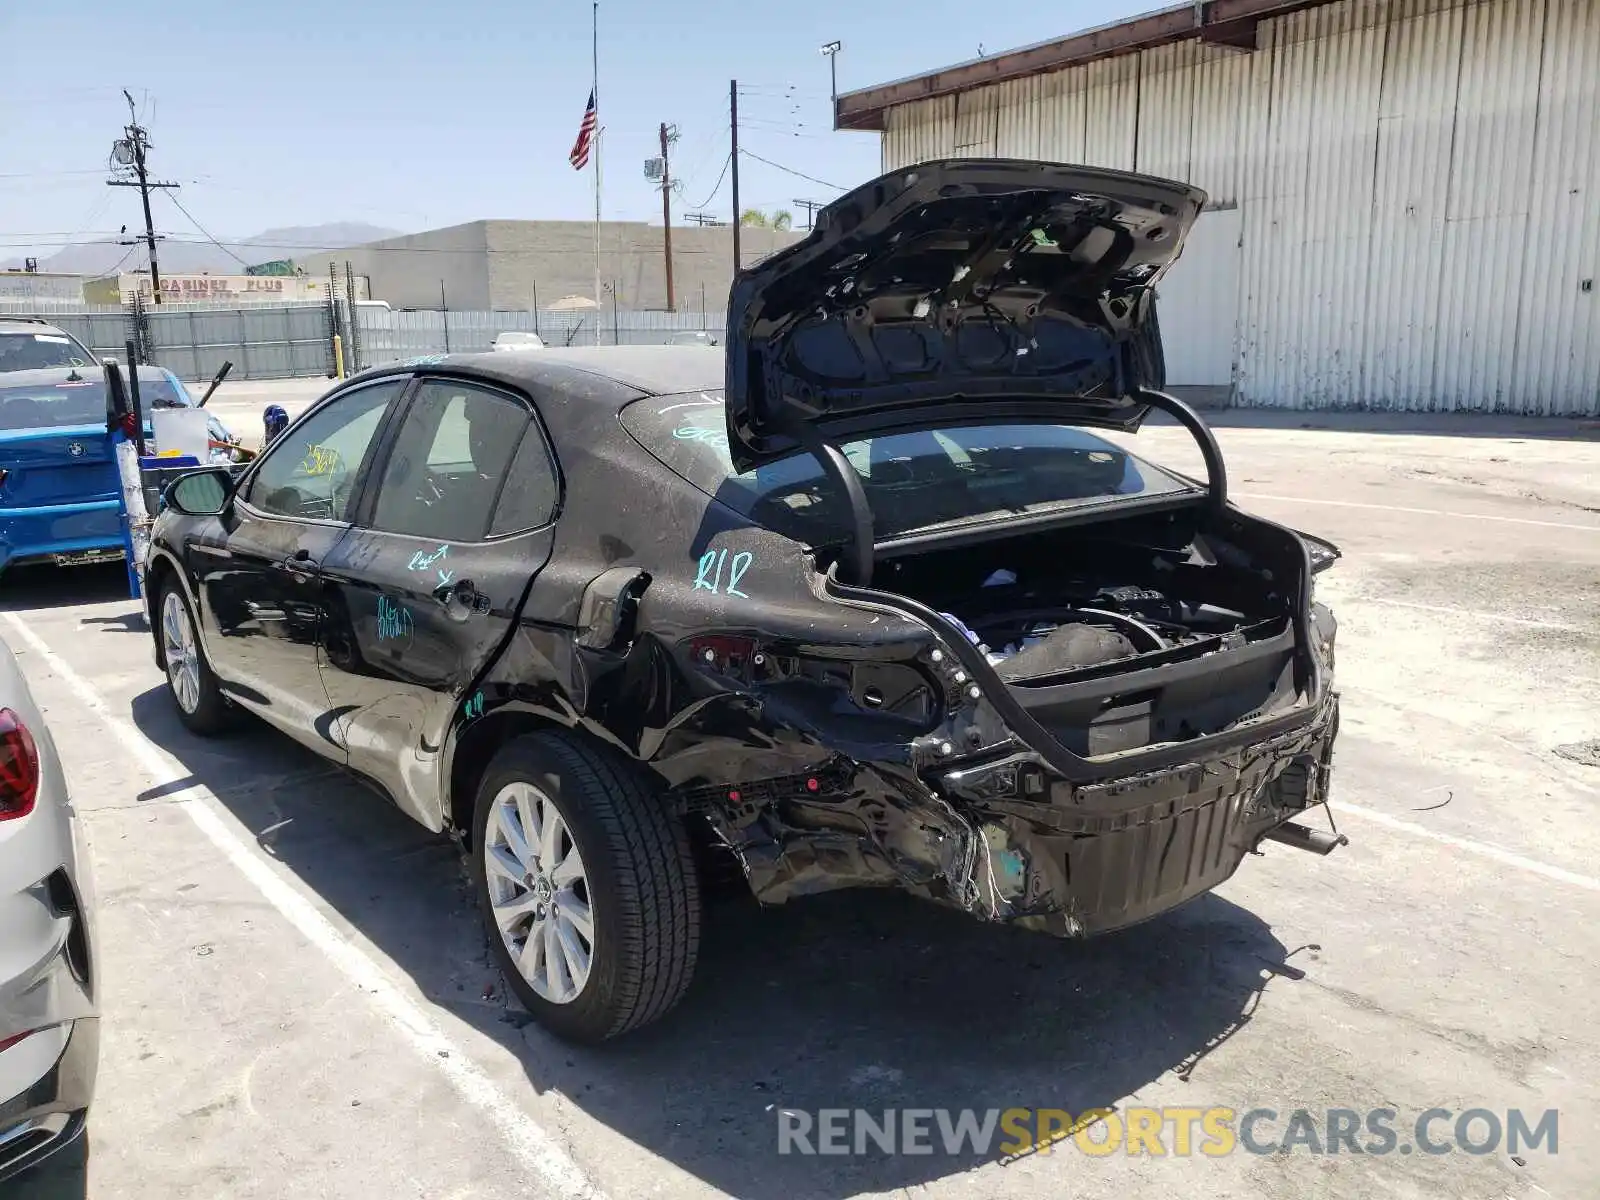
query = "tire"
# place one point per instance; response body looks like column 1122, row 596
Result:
column 201, row 706
column 638, row 886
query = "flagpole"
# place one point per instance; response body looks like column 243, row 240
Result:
column 597, row 299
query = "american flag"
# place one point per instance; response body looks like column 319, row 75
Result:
column 579, row 158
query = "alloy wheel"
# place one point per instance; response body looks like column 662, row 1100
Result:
column 539, row 892
column 178, row 647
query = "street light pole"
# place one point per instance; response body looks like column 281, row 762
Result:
column 830, row 51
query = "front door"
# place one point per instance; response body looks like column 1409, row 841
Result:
column 427, row 586
column 258, row 566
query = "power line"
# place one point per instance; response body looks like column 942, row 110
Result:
column 725, row 164
column 791, row 171
column 207, row 232
column 43, row 174
column 116, row 268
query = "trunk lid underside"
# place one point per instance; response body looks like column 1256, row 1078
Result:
column 984, row 289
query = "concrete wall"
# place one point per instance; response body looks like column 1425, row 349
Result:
column 1415, row 183
column 407, row 271
column 502, row 264
column 558, row 258
column 23, row 285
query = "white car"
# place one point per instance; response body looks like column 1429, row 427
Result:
column 517, row 339
column 49, row 1020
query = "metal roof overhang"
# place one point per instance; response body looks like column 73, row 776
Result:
column 1230, row 23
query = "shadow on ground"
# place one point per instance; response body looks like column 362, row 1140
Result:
column 23, row 589
column 849, row 1000
column 1469, row 425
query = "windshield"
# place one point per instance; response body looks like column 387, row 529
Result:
column 913, row 481
column 53, row 402
column 22, row 350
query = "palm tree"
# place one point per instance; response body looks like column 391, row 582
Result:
column 783, row 220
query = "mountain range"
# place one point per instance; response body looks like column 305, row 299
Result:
column 193, row 256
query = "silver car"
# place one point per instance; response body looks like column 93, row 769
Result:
column 49, row 1022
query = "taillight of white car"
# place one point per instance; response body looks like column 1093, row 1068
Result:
column 19, row 767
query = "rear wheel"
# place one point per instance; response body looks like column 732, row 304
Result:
column 201, row 704
column 587, row 885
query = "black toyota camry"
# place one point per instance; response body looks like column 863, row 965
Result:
column 858, row 600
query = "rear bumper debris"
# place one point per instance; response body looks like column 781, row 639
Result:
column 1014, row 841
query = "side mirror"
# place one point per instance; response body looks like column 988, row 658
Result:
column 201, row 493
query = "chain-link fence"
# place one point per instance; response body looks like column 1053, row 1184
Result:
column 290, row 340
column 386, row 337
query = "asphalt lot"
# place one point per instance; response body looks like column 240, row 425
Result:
column 298, row 1001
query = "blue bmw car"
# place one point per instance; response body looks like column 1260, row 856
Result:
column 59, row 490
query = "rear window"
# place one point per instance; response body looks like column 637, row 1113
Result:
column 29, row 351
column 46, row 404
column 913, row 481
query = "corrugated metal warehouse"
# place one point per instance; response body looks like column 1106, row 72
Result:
column 1405, row 194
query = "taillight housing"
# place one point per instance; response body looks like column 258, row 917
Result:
column 19, row 767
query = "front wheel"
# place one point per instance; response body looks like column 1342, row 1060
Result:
column 587, row 885
column 201, row 705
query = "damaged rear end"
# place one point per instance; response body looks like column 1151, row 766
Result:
column 1059, row 686
column 1129, row 708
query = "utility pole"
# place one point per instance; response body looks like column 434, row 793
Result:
column 733, row 161
column 129, row 152
column 811, row 207
column 666, row 211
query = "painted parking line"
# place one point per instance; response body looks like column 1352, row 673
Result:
column 1474, row 614
column 1482, row 849
column 1421, row 512
column 543, row 1157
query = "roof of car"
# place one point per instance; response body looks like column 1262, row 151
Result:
column 651, row 370
column 28, row 325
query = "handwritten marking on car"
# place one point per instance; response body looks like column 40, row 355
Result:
column 393, row 619
column 423, row 559
column 446, row 576
column 702, row 433
column 705, row 401
column 709, row 575
column 320, row 460
column 474, row 706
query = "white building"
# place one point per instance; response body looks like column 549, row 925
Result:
column 1405, row 194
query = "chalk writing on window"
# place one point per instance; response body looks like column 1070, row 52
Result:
column 702, row 433
column 710, row 575
column 474, row 706
column 321, row 460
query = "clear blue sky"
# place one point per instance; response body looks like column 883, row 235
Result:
column 416, row 115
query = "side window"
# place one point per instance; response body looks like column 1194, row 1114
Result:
column 528, row 499
column 310, row 472
column 444, row 474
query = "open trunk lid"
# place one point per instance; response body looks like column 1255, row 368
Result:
column 983, row 289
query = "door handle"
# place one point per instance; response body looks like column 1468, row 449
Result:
column 300, row 561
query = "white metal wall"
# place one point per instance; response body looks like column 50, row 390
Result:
column 1417, row 182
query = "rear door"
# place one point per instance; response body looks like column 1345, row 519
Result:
column 425, row 589
column 258, row 567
